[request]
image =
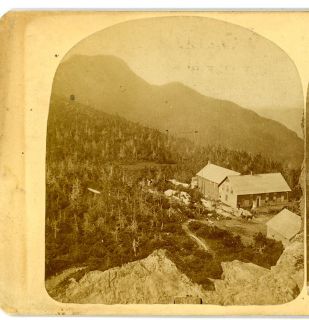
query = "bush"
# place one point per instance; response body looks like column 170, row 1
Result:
column 267, row 251
column 187, row 244
column 264, row 252
column 195, row 226
column 232, row 242
column 195, row 194
column 172, row 227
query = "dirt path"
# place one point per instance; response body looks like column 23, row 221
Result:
column 200, row 242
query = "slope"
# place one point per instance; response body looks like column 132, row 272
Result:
column 291, row 118
column 87, row 148
column 108, row 84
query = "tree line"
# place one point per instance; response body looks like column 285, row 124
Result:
column 87, row 148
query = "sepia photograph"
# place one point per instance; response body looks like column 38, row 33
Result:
column 307, row 183
column 153, row 163
column 175, row 167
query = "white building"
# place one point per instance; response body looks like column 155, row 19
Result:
column 284, row 226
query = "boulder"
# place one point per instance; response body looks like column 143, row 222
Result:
column 169, row 192
column 154, row 279
column 238, row 272
column 292, row 262
column 178, row 183
column 248, row 284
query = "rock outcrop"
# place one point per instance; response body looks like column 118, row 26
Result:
column 248, row 284
column 156, row 279
column 152, row 280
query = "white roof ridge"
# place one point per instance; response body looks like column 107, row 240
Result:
column 259, row 183
column 215, row 173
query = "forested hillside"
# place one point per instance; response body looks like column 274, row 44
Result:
column 106, row 83
column 87, row 148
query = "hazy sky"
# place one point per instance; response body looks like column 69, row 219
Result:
column 216, row 58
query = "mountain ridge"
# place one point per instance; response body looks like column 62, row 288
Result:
column 290, row 117
column 108, row 84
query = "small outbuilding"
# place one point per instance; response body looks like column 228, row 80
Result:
column 210, row 177
column 284, row 226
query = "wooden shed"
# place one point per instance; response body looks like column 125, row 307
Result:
column 284, row 226
column 210, row 177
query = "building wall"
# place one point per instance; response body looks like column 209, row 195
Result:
column 227, row 194
column 262, row 200
column 229, row 197
column 208, row 188
column 272, row 234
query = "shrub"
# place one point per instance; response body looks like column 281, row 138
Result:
column 195, row 226
column 172, row 227
column 267, row 250
column 264, row 252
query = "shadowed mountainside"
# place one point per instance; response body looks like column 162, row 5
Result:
column 291, row 118
column 108, row 84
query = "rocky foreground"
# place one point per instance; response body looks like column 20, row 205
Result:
column 156, row 279
column 247, row 283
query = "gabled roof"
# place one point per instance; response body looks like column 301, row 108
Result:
column 258, row 183
column 286, row 223
column 215, row 173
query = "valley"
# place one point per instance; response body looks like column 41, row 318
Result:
column 131, row 216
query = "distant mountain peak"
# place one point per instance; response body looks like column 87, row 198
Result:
column 107, row 83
